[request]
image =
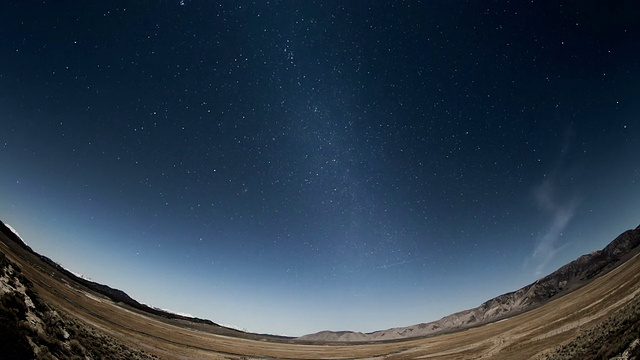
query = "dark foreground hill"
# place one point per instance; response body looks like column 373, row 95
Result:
column 114, row 294
column 569, row 277
column 119, row 296
column 30, row 328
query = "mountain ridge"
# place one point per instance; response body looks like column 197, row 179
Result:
column 117, row 295
column 566, row 279
column 562, row 281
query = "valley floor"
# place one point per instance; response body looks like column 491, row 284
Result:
column 599, row 320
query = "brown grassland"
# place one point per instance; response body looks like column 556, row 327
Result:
column 582, row 324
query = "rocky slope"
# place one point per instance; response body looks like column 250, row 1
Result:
column 31, row 329
column 563, row 280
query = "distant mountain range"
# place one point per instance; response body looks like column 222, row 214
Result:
column 569, row 277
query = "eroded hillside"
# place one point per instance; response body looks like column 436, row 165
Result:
column 30, row 328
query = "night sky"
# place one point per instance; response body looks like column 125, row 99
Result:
column 295, row 166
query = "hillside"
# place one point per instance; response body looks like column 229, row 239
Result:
column 119, row 296
column 565, row 279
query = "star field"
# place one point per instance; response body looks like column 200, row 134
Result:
column 290, row 167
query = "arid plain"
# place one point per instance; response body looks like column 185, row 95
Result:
column 530, row 335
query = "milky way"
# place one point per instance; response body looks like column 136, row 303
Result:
column 289, row 167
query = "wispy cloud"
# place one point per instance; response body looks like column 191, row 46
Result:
column 561, row 211
column 557, row 196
